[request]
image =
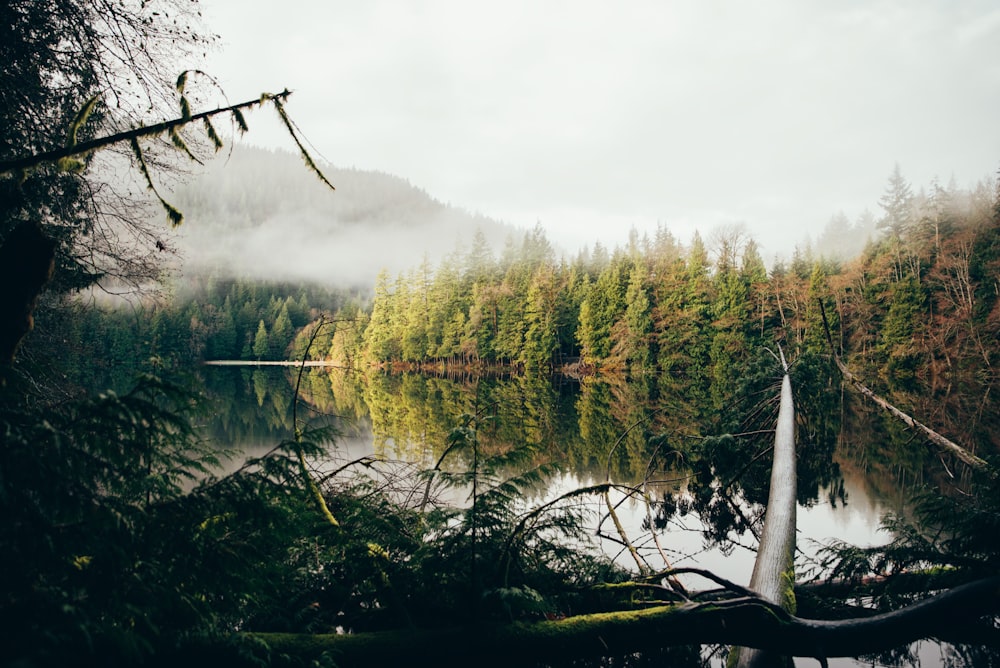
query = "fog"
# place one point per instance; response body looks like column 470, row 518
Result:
column 592, row 118
column 262, row 213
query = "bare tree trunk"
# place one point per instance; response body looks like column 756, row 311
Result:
column 774, row 569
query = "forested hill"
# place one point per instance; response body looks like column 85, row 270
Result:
column 261, row 213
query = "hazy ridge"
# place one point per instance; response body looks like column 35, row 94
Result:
column 261, row 213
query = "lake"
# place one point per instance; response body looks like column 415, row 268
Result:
column 854, row 466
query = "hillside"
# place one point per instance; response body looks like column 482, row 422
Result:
column 261, row 213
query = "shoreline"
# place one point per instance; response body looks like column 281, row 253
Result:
column 267, row 363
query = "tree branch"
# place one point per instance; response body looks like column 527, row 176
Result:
column 54, row 156
column 936, row 438
column 744, row 622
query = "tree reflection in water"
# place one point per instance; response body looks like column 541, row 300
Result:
column 707, row 477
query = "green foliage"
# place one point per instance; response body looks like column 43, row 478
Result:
column 665, row 310
column 261, row 347
column 87, row 491
column 949, row 538
column 897, row 203
column 209, row 319
column 120, row 541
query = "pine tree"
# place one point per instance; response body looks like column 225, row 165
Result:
column 819, row 289
column 281, row 333
column 897, row 205
column 540, row 333
column 261, row 346
column 381, row 341
column 635, row 343
column 602, row 306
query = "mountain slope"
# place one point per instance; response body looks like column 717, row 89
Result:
column 262, row 213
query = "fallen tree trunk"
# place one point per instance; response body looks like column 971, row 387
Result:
column 937, row 439
column 774, row 569
column 744, row 622
column 934, row 437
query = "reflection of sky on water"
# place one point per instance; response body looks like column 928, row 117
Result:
column 856, row 521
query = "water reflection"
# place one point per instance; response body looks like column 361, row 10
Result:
column 707, row 477
column 594, row 431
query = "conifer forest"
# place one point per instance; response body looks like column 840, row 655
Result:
column 485, row 457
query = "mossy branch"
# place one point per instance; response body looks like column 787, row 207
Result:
column 314, row 489
column 80, row 120
column 749, row 622
column 18, row 165
column 66, row 157
column 622, row 534
column 175, row 216
column 277, row 101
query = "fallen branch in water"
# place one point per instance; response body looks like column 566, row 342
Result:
column 936, row 438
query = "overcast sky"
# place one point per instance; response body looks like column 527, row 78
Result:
column 594, row 117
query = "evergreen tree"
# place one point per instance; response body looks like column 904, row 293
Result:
column 281, row 334
column 540, row 326
column 479, row 263
column 445, row 302
column 602, row 306
column 897, row 205
column 898, row 331
column 819, row 289
column 261, row 344
column 118, row 62
column 753, row 273
column 221, row 343
column 412, row 316
column 634, row 340
column 684, row 328
column 381, row 340
column 509, row 304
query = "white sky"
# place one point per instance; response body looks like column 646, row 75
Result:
column 593, row 117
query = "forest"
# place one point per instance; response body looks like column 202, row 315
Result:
column 917, row 301
column 130, row 539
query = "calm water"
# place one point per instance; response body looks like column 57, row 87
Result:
column 594, row 431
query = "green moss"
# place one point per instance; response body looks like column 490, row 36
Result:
column 788, row 602
column 591, row 634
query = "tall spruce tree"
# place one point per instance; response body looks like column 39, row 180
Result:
column 897, row 205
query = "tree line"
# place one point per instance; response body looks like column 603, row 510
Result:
column 125, row 541
column 920, row 299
